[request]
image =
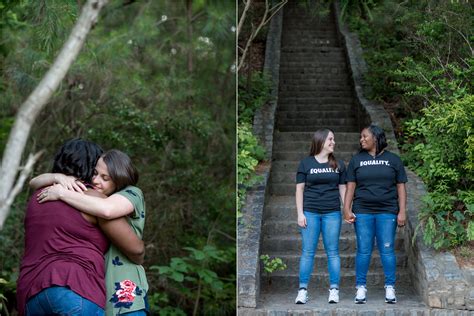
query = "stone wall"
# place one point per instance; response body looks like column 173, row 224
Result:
column 437, row 276
column 250, row 225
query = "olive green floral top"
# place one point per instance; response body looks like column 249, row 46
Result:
column 126, row 281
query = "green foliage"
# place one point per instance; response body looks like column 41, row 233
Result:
column 442, row 145
column 271, row 265
column 197, row 270
column 447, row 219
column 441, row 150
column 254, row 92
column 250, row 153
column 143, row 83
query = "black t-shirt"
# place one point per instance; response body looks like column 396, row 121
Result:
column 376, row 181
column 321, row 191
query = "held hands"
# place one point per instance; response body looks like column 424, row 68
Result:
column 70, row 182
column 302, row 221
column 51, row 193
column 349, row 217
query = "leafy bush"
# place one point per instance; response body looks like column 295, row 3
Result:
column 441, row 150
column 197, row 271
column 254, row 92
column 250, row 153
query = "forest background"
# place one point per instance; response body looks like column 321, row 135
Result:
column 155, row 79
column 420, row 60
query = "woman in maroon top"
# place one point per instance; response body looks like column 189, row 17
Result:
column 62, row 270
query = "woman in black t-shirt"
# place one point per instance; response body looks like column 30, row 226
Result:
column 376, row 190
column 319, row 190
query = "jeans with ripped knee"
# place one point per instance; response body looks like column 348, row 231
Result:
column 381, row 227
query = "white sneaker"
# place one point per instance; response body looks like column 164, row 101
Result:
column 361, row 295
column 390, row 297
column 302, row 297
column 333, row 296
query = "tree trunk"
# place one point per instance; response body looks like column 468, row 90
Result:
column 189, row 19
column 36, row 101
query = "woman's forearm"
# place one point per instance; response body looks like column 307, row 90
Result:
column 342, row 192
column 299, row 198
column 124, row 238
column 111, row 207
column 349, row 196
column 402, row 197
column 43, row 180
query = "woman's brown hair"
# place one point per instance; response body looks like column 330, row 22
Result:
column 317, row 144
column 121, row 169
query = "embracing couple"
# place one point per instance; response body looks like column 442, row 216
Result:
column 373, row 190
column 69, row 268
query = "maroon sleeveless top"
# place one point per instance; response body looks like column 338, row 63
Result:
column 61, row 248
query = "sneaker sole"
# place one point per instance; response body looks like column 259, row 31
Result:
column 360, row 302
column 300, row 303
column 333, row 302
column 390, row 302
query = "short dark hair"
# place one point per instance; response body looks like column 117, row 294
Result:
column 121, row 169
column 379, row 135
column 77, row 157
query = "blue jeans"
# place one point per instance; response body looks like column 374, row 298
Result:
column 330, row 226
column 382, row 227
column 59, row 300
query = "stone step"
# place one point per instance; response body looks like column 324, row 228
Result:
column 315, row 113
column 304, row 146
column 285, row 70
column 291, row 281
column 313, row 120
column 326, row 108
column 289, row 50
column 312, row 64
column 319, row 54
column 324, row 102
column 329, row 88
column 321, row 262
column 319, row 84
column 311, row 79
column 313, row 93
column 307, row 136
column 316, row 79
column 298, row 128
column 291, row 244
column 312, row 44
column 275, row 301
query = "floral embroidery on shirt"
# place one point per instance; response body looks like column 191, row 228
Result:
column 116, row 261
column 125, row 293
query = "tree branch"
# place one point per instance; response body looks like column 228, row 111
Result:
column 38, row 99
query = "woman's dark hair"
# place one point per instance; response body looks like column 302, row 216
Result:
column 317, row 144
column 77, row 157
column 121, row 169
column 380, row 139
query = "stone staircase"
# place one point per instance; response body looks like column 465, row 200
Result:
column 315, row 91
